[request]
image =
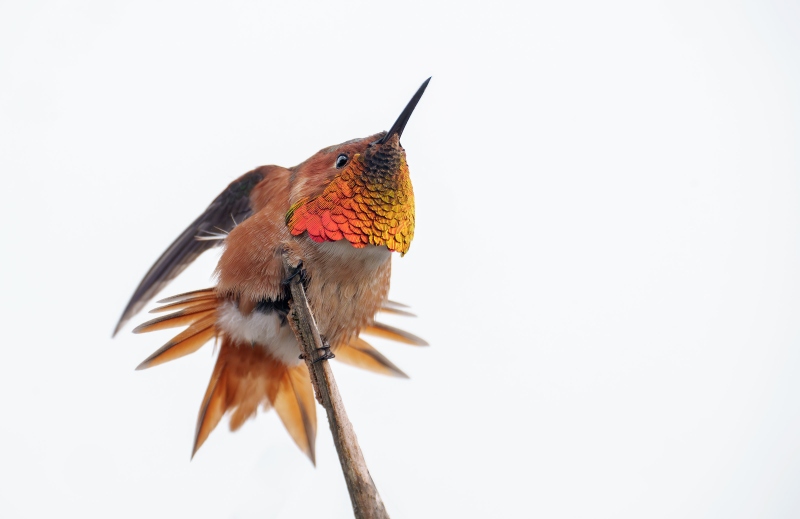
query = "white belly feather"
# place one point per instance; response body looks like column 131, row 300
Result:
column 338, row 298
column 260, row 329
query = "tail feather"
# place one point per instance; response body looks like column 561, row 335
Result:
column 295, row 404
column 188, row 341
column 394, row 304
column 390, row 307
column 191, row 307
column 254, row 388
column 246, row 377
column 396, row 334
column 186, row 303
column 194, row 294
column 184, row 317
column 213, row 407
column 361, row 354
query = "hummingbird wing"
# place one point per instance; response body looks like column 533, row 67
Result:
column 229, row 209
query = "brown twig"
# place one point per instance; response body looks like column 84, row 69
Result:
column 364, row 495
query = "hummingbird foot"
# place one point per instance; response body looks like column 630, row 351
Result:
column 319, row 354
column 297, row 272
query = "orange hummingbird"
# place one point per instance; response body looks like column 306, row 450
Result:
column 338, row 215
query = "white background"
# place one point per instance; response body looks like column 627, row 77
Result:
column 606, row 258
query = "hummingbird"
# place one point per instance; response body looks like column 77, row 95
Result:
column 338, row 216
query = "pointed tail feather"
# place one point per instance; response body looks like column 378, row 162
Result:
column 215, row 402
column 188, row 341
column 199, row 315
column 246, row 377
column 295, row 404
column 394, row 304
column 190, row 307
column 393, row 307
column 192, row 295
column 184, row 317
column 361, row 354
column 396, row 334
column 185, row 303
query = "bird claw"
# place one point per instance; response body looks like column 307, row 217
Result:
column 320, row 354
column 297, row 272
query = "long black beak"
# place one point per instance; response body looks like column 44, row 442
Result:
column 401, row 121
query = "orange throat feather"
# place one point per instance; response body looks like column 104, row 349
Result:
column 362, row 207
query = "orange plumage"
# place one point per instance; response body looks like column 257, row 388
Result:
column 364, row 210
column 340, row 214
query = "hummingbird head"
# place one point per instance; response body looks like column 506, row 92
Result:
column 359, row 191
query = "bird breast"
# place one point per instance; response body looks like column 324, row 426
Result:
column 346, row 286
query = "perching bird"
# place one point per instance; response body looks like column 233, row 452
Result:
column 338, row 215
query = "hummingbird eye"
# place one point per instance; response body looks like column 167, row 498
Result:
column 341, row 160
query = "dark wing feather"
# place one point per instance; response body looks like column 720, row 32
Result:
column 231, row 207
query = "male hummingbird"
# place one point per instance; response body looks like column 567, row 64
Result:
column 338, row 215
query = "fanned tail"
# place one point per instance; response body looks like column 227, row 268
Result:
column 246, row 377
column 198, row 311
